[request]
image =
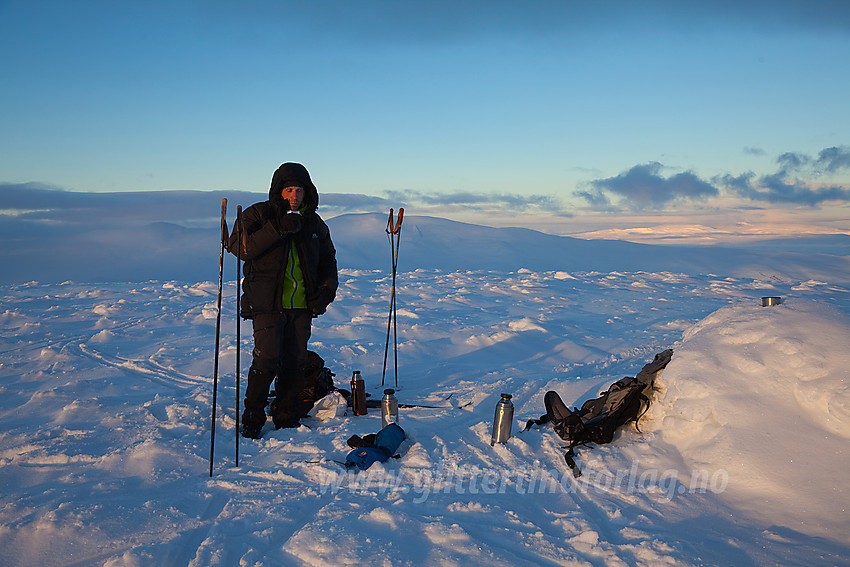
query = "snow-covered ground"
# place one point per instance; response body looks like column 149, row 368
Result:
column 106, row 398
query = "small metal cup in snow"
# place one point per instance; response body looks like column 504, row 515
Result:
column 770, row 301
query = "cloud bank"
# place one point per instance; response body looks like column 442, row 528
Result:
column 643, row 186
column 797, row 181
column 480, row 202
column 41, row 205
column 36, row 203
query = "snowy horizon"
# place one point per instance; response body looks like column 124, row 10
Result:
column 55, row 236
column 720, row 225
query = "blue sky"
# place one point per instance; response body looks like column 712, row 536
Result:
column 578, row 117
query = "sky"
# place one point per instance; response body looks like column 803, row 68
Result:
column 649, row 121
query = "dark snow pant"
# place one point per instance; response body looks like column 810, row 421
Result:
column 280, row 350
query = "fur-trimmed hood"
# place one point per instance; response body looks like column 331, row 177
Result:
column 294, row 174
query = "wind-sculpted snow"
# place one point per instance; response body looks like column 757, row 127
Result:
column 767, row 391
column 105, row 404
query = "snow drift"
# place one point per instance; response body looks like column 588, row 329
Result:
column 765, row 394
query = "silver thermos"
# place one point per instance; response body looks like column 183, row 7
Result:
column 389, row 408
column 502, row 420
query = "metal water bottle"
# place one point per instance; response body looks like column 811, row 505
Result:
column 502, row 420
column 358, row 394
column 389, row 408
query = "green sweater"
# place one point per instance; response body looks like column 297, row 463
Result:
column 294, row 296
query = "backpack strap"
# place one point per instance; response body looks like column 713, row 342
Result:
column 646, row 400
column 568, row 457
column 544, row 419
column 556, row 411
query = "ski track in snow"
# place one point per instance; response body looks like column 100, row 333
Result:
column 106, row 402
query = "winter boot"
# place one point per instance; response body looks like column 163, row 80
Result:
column 287, row 407
column 256, row 397
column 284, row 414
column 252, row 425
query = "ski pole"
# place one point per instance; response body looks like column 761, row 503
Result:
column 217, row 328
column 238, row 321
column 397, row 231
column 389, row 230
column 394, row 232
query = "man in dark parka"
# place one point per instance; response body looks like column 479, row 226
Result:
column 290, row 276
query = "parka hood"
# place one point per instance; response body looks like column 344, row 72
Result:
column 294, row 174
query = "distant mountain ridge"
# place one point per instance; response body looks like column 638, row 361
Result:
column 435, row 243
column 169, row 251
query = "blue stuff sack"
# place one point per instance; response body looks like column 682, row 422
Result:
column 386, row 443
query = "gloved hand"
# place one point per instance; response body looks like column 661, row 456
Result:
column 319, row 301
column 286, row 222
column 289, row 223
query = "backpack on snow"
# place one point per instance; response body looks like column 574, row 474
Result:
column 598, row 419
column 318, row 382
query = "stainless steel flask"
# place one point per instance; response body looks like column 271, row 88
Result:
column 389, row 408
column 502, row 420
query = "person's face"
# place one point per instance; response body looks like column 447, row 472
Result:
column 294, row 195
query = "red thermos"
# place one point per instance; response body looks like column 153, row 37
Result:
column 358, row 394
